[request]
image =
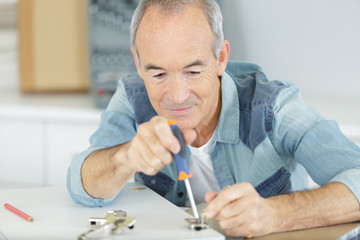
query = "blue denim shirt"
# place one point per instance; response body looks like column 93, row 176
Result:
column 266, row 135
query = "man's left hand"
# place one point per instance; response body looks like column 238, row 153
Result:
column 241, row 211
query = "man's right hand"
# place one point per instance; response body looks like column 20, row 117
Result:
column 107, row 170
column 152, row 147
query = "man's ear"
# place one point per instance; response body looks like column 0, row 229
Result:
column 223, row 57
column 136, row 60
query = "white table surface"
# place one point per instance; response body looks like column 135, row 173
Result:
column 57, row 216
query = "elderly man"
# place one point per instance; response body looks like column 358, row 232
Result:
column 256, row 136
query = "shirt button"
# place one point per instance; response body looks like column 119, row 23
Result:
column 180, row 194
column 153, row 181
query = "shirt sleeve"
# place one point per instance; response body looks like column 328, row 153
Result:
column 316, row 143
column 117, row 126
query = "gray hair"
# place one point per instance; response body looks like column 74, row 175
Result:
column 210, row 8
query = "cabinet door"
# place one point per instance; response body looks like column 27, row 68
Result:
column 64, row 140
column 21, row 152
column 46, row 34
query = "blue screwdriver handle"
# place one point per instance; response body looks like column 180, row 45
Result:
column 180, row 158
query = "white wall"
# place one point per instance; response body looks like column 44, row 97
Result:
column 313, row 43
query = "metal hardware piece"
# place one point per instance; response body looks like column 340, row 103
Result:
column 96, row 221
column 114, row 223
column 194, row 223
column 116, row 213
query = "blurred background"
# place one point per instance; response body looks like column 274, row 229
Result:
column 60, row 61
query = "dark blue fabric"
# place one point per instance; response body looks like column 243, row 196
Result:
column 274, row 184
column 138, row 98
column 257, row 98
column 160, row 183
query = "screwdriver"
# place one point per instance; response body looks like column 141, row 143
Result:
column 182, row 167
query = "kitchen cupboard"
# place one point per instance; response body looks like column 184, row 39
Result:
column 38, row 143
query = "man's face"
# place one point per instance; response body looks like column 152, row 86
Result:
column 177, row 64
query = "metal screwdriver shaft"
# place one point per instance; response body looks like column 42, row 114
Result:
column 192, row 202
column 183, row 171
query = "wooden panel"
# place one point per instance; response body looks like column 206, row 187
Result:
column 25, row 44
column 53, row 45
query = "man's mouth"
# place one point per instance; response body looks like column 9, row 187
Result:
column 181, row 111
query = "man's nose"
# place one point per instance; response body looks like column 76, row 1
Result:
column 179, row 91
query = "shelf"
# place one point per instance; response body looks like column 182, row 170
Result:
column 75, row 106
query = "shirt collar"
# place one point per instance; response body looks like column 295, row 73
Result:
column 227, row 129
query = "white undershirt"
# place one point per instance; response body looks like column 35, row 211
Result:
column 203, row 179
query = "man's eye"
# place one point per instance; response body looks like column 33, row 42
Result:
column 160, row 75
column 194, row 73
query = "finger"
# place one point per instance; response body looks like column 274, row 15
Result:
column 156, row 149
column 209, row 196
column 136, row 157
column 153, row 154
column 232, row 222
column 156, row 155
column 251, row 207
column 221, row 200
column 145, row 160
column 165, row 135
column 161, row 153
column 225, row 197
column 155, row 136
column 234, row 208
